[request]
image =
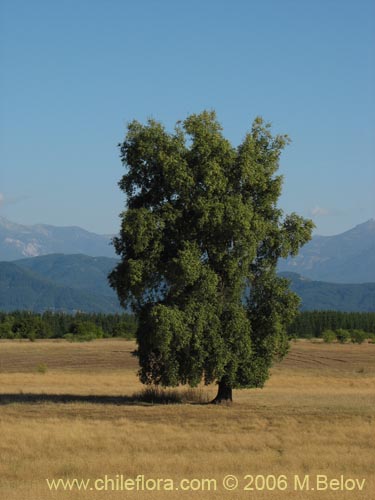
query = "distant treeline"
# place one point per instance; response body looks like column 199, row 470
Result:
column 87, row 326
column 310, row 324
column 80, row 326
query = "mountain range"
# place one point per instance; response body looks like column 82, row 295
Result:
column 320, row 295
column 17, row 241
column 71, row 283
column 67, row 283
column 67, row 269
column 348, row 257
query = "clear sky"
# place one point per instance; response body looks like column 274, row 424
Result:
column 74, row 72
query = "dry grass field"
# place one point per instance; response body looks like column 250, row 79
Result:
column 67, row 411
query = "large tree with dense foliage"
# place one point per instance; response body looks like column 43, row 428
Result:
column 199, row 242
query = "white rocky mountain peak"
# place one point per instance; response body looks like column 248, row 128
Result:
column 18, row 240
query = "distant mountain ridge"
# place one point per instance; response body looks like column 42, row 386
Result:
column 330, row 272
column 71, row 283
column 65, row 283
column 348, row 257
column 320, row 295
column 76, row 271
column 17, row 241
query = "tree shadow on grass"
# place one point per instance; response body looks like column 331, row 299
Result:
column 32, row 398
column 146, row 397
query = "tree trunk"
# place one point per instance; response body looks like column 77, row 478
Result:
column 224, row 393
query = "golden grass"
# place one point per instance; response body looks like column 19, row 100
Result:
column 316, row 415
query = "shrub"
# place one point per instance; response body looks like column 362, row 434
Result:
column 84, row 337
column 125, row 328
column 41, row 368
column 342, row 336
column 329, row 336
column 31, row 335
column 358, row 336
column 69, row 337
column 31, row 327
column 83, row 331
column 6, row 331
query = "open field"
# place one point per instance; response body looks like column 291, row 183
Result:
column 316, row 416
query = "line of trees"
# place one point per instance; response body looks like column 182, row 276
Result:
column 310, row 324
column 81, row 326
column 344, row 336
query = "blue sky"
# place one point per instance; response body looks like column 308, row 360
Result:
column 75, row 72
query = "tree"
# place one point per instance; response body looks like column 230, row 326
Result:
column 342, row 335
column 329, row 336
column 31, row 327
column 199, row 243
column 82, row 330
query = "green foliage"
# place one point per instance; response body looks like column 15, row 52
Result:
column 84, row 331
column 70, row 337
column 329, row 336
column 312, row 323
column 31, row 327
column 342, row 335
column 31, row 335
column 23, row 324
column 42, row 368
column 6, row 327
column 358, row 336
column 87, row 337
column 202, row 226
column 125, row 328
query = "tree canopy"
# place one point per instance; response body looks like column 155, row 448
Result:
column 199, row 242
